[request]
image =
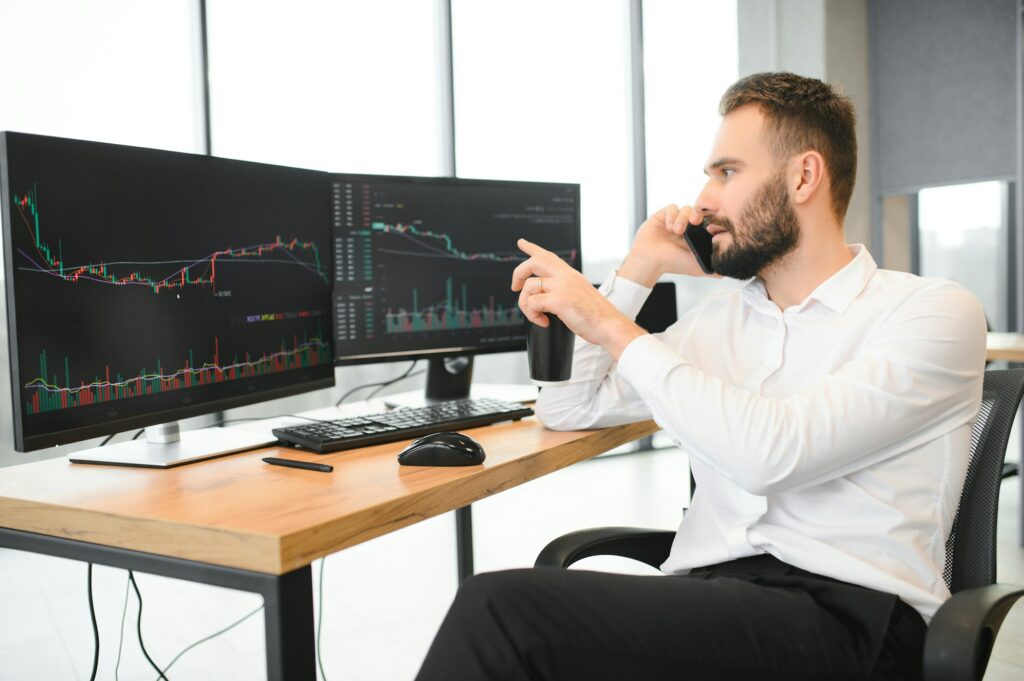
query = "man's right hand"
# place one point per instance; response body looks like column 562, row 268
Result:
column 659, row 248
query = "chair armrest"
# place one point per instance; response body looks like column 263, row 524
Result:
column 647, row 546
column 963, row 631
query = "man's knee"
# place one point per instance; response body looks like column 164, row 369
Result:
column 490, row 590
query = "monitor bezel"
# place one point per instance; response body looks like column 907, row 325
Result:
column 469, row 350
column 72, row 435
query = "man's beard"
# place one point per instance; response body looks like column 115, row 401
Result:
column 769, row 232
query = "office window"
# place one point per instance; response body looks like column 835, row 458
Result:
column 963, row 233
column 112, row 71
column 685, row 73
column 541, row 94
column 340, row 86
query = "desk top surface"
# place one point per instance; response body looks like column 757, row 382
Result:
column 240, row 512
column 1005, row 346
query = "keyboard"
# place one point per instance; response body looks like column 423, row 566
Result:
column 400, row 424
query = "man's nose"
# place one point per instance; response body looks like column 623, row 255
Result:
column 706, row 203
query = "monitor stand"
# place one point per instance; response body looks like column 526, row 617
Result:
column 166, row 445
column 450, row 378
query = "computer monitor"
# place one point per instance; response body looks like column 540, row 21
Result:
column 424, row 267
column 147, row 286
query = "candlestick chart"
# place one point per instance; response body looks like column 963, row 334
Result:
column 198, row 272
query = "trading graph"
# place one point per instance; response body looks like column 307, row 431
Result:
column 425, row 262
column 198, row 272
column 149, row 282
column 50, row 393
column 426, row 244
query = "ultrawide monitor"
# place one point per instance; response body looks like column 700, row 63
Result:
column 424, row 265
column 146, row 286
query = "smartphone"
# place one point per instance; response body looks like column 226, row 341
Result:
column 700, row 243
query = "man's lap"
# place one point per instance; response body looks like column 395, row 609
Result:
column 557, row 623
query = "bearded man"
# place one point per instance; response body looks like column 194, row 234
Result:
column 826, row 406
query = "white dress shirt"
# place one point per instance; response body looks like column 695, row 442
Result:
column 833, row 435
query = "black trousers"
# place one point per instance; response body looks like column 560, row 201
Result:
column 753, row 618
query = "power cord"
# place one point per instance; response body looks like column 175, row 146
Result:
column 95, row 629
column 120, row 631
column 211, row 636
column 320, row 618
column 138, row 594
column 408, row 374
column 130, row 582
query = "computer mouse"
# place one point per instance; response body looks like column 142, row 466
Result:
column 443, row 449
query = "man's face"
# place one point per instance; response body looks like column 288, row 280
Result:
column 749, row 184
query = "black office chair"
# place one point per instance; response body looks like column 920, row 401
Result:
column 963, row 631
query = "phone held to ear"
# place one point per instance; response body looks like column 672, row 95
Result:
column 700, row 244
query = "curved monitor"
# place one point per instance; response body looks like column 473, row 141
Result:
column 424, row 265
column 146, row 286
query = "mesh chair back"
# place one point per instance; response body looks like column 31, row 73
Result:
column 971, row 546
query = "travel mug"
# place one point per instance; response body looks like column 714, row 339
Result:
column 549, row 352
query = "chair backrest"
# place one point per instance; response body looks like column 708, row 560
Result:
column 971, row 546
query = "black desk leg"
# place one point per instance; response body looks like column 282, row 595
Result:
column 464, row 541
column 288, row 616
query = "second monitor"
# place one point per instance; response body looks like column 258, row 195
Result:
column 423, row 267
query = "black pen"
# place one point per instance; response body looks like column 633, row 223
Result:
column 292, row 463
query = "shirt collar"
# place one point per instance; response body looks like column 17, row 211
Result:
column 836, row 293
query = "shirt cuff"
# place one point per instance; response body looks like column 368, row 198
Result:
column 627, row 296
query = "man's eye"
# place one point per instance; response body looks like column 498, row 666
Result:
column 727, row 172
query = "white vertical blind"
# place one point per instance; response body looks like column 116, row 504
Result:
column 541, row 93
column 690, row 58
column 342, row 86
column 112, row 71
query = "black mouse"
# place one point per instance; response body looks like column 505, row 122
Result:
column 443, row 449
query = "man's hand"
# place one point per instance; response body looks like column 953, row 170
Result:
column 659, row 248
column 546, row 283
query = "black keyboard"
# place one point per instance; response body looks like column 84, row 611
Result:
column 400, row 424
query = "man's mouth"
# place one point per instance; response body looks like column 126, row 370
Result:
column 716, row 229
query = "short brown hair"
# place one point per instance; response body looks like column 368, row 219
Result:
column 804, row 114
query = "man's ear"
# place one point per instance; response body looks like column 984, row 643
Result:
column 808, row 176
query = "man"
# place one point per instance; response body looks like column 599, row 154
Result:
column 826, row 406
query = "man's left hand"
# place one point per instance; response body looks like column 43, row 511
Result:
column 546, row 283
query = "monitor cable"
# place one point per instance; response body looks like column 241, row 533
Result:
column 138, row 623
column 95, row 629
column 382, row 384
column 320, row 619
column 207, row 638
column 120, row 631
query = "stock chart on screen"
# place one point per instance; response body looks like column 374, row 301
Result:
column 145, row 282
column 425, row 264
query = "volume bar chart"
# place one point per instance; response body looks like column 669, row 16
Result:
column 453, row 313
column 50, row 394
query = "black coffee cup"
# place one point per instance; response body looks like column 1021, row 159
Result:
column 549, row 351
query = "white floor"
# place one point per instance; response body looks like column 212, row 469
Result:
column 383, row 600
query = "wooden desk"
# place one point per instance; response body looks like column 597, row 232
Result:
column 240, row 523
column 1005, row 346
